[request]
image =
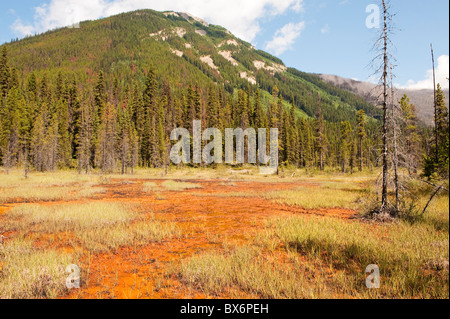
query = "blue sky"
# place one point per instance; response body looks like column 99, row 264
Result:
column 320, row 36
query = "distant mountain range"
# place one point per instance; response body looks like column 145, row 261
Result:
column 422, row 99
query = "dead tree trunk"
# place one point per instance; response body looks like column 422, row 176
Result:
column 436, row 132
column 384, row 194
column 395, row 149
column 431, row 199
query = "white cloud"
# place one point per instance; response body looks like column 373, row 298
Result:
column 325, row 29
column 442, row 75
column 240, row 17
column 285, row 38
column 22, row 28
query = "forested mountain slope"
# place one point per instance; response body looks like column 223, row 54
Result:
column 108, row 94
column 183, row 50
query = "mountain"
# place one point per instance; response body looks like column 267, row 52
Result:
column 422, row 99
column 183, row 50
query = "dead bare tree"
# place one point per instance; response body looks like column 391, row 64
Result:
column 395, row 159
column 383, row 61
column 437, row 190
column 436, row 132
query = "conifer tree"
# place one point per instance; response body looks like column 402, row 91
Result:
column 250, row 107
column 124, row 136
column 292, row 138
column 179, row 113
column 442, row 127
column 353, row 154
column 321, row 140
column 100, row 96
column 309, row 144
column 261, row 117
column 51, row 145
column 228, row 113
column 345, row 144
column 243, row 107
column 32, row 87
column 98, row 106
column 45, row 94
column 106, row 155
column 24, row 129
column 13, row 79
column 189, row 114
column 149, row 146
column 361, row 130
column 138, row 118
column 38, row 152
column 74, row 109
column 15, row 129
column 409, row 135
column 59, row 86
column 84, row 139
column 212, row 110
column 197, row 103
column 4, row 72
column 162, row 159
column 64, row 143
column 134, row 149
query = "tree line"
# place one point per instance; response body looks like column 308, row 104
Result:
column 57, row 121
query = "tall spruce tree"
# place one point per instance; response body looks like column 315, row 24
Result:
column 4, row 72
column 106, row 155
column 442, row 127
column 362, row 135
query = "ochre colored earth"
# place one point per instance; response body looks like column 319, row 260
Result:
column 206, row 217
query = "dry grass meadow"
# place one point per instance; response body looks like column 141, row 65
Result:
column 222, row 233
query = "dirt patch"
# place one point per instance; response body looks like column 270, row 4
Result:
column 207, row 222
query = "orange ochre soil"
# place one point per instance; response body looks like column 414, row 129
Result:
column 206, row 218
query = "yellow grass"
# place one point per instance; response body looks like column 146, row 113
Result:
column 179, row 186
column 314, row 198
column 252, row 272
column 40, row 193
column 29, row 273
column 169, row 185
column 296, row 257
column 59, row 178
column 413, row 259
column 150, row 187
column 96, row 226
